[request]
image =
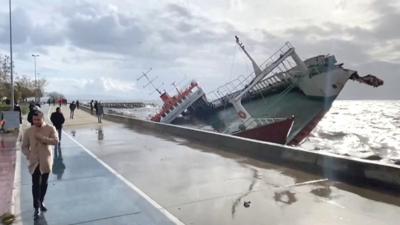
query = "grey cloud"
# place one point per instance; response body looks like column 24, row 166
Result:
column 21, row 26
column 306, row 32
column 315, row 40
column 384, row 7
column 348, row 52
column 104, row 34
column 83, row 8
column 27, row 35
column 179, row 11
column 194, row 31
column 47, row 35
column 169, row 35
column 333, row 38
column 385, row 26
column 185, row 27
column 176, row 39
column 388, row 26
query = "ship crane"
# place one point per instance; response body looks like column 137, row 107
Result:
column 236, row 100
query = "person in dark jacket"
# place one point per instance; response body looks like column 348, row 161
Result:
column 18, row 109
column 72, row 108
column 99, row 111
column 32, row 109
column 57, row 118
column 91, row 107
column 95, row 105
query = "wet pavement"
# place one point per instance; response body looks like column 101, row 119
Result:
column 84, row 191
column 202, row 185
column 195, row 183
column 7, row 163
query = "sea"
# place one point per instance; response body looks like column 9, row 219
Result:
column 356, row 128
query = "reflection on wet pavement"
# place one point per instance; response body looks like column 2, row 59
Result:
column 58, row 164
column 246, row 203
column 205, row 185
column 41, row 220
column 100, row 134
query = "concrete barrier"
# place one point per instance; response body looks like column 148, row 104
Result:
column 357, row 171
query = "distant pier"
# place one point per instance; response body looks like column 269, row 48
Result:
column 125, row 105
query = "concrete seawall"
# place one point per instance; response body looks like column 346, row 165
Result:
column 356, row 171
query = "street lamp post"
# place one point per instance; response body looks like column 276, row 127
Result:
column 36, row 84
column 11, row 62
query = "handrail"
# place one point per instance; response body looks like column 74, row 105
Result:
column 240, row 82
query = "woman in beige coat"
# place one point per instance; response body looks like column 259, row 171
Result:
column 36, row 146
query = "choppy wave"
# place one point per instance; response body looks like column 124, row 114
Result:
column 363, row 129
column 144, row 113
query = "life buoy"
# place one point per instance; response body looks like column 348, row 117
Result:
column 242, row 114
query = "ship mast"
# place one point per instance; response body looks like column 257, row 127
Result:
column 256, row 68
column 176, row 87
column 149, row 81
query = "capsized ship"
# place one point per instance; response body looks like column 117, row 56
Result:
column 281, row 102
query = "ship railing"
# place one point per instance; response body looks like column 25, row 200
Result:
column 275, row 80
column 221, row 94
column 276, row 55
column 278, row 79
column 230, row 87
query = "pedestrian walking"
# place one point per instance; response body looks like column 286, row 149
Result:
column 18, row 109
column 99, row 111
column 91, row 107
column 77, row 104
column 36, row 146
column 32, row 109
column 2, row 123
column 95, row 105
column 72, row 107
column 57, row 118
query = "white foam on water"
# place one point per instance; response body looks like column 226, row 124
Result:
column 362, row 129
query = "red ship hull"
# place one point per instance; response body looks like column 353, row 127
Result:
column 275, row 132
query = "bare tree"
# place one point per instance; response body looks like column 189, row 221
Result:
column 24, row 86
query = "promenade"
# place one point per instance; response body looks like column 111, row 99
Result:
column 113, row 173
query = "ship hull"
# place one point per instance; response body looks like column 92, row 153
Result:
column 307, row 111
column 274, row 132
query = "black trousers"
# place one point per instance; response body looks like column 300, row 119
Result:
column 59, row 134
column 39, row 187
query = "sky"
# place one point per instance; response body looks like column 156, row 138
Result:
column 98, row 49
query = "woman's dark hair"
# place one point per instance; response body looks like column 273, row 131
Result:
column 37, row 113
